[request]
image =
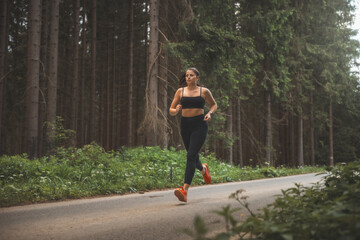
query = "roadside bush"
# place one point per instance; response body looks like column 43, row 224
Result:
column 328, row 210
column 91, row 171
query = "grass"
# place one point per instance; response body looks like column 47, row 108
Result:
column 90, row 171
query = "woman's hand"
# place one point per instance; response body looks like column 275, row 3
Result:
column 178, row 108
column 211, row 101
column 207, row 117
column 175, row 107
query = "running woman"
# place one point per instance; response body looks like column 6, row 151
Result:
column 190, row 99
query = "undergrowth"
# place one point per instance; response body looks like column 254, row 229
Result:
column 329, row 210
column 90, row 171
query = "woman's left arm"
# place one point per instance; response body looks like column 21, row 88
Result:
column 211, row 101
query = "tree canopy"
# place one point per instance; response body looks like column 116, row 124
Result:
column 282, row 72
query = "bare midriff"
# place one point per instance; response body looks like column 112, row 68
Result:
column 192, row 112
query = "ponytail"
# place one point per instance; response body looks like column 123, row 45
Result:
column 182, row 82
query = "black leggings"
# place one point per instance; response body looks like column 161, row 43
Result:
column 193, row 132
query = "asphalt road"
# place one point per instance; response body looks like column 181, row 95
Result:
column 153, row 215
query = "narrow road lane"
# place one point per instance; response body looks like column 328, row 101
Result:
column 153, row 215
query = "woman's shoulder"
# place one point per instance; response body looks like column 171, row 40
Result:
column 205, row 89
column 179, row 90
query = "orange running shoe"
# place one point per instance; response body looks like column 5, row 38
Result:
column 181, row 194
column 206, row 175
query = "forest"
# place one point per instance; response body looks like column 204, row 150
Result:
column 283, row 73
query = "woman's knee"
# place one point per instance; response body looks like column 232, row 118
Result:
column 192, row 156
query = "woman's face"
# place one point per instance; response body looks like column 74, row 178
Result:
column 191, row 77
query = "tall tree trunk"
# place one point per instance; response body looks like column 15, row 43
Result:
column 269, row 131
column 3, row 53
column 43, row 74
column 53, row 70
column 75, row 83
column 239, row 132
column 312, row 134
column 331, row 140
column 292, row 139
column 32, row 78
column 114, row 95
column 142, row 137
column 119, row 109
column 229, row 133
column 92, row 125
column 285, row 140
column 82, row 127
column 151, row 115
column 163, row 76
column 131, row 73
column 300, row 149
column 101, row 93
column 108, row 94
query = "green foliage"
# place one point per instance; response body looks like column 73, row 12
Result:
column 58, row 135
column 328, row 210
column 89, row 171
column 290, row 49
column 268, row 23
column 226, row 57
column 243, row 49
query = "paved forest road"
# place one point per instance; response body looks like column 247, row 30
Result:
column 153, row 215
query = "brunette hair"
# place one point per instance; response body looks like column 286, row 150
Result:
column 182, row 82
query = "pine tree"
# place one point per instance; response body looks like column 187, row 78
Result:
column 32, row 77
column 53, row 71
column 3, row 53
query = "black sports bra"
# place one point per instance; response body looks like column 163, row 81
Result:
column 192, row 102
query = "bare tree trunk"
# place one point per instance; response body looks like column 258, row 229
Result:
column 229, row 135
column 235, row 145
column 82, row 129
column 141, row 136
column 312, row 134
column 292, row 140
column 114, row 97
column 75, row 85
column 3, row 52
column 151, row 115
column 287, row 144
column 108, row 95
column 43, row 73
column 53, row 69
column 300, row 140
column 32, row 78
column 92, row 125
column 269, row 131
column 284, row 140
column 131, row 72
column 163, row 72
column 101, row 92
column 300, row 149
column 239, row 132
column 119, row 110
column 331, row 140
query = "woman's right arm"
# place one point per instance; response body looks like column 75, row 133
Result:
column 175, row 105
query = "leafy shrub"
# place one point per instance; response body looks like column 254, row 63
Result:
column 328, row 210
column 59, row 136
column 90, row 170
